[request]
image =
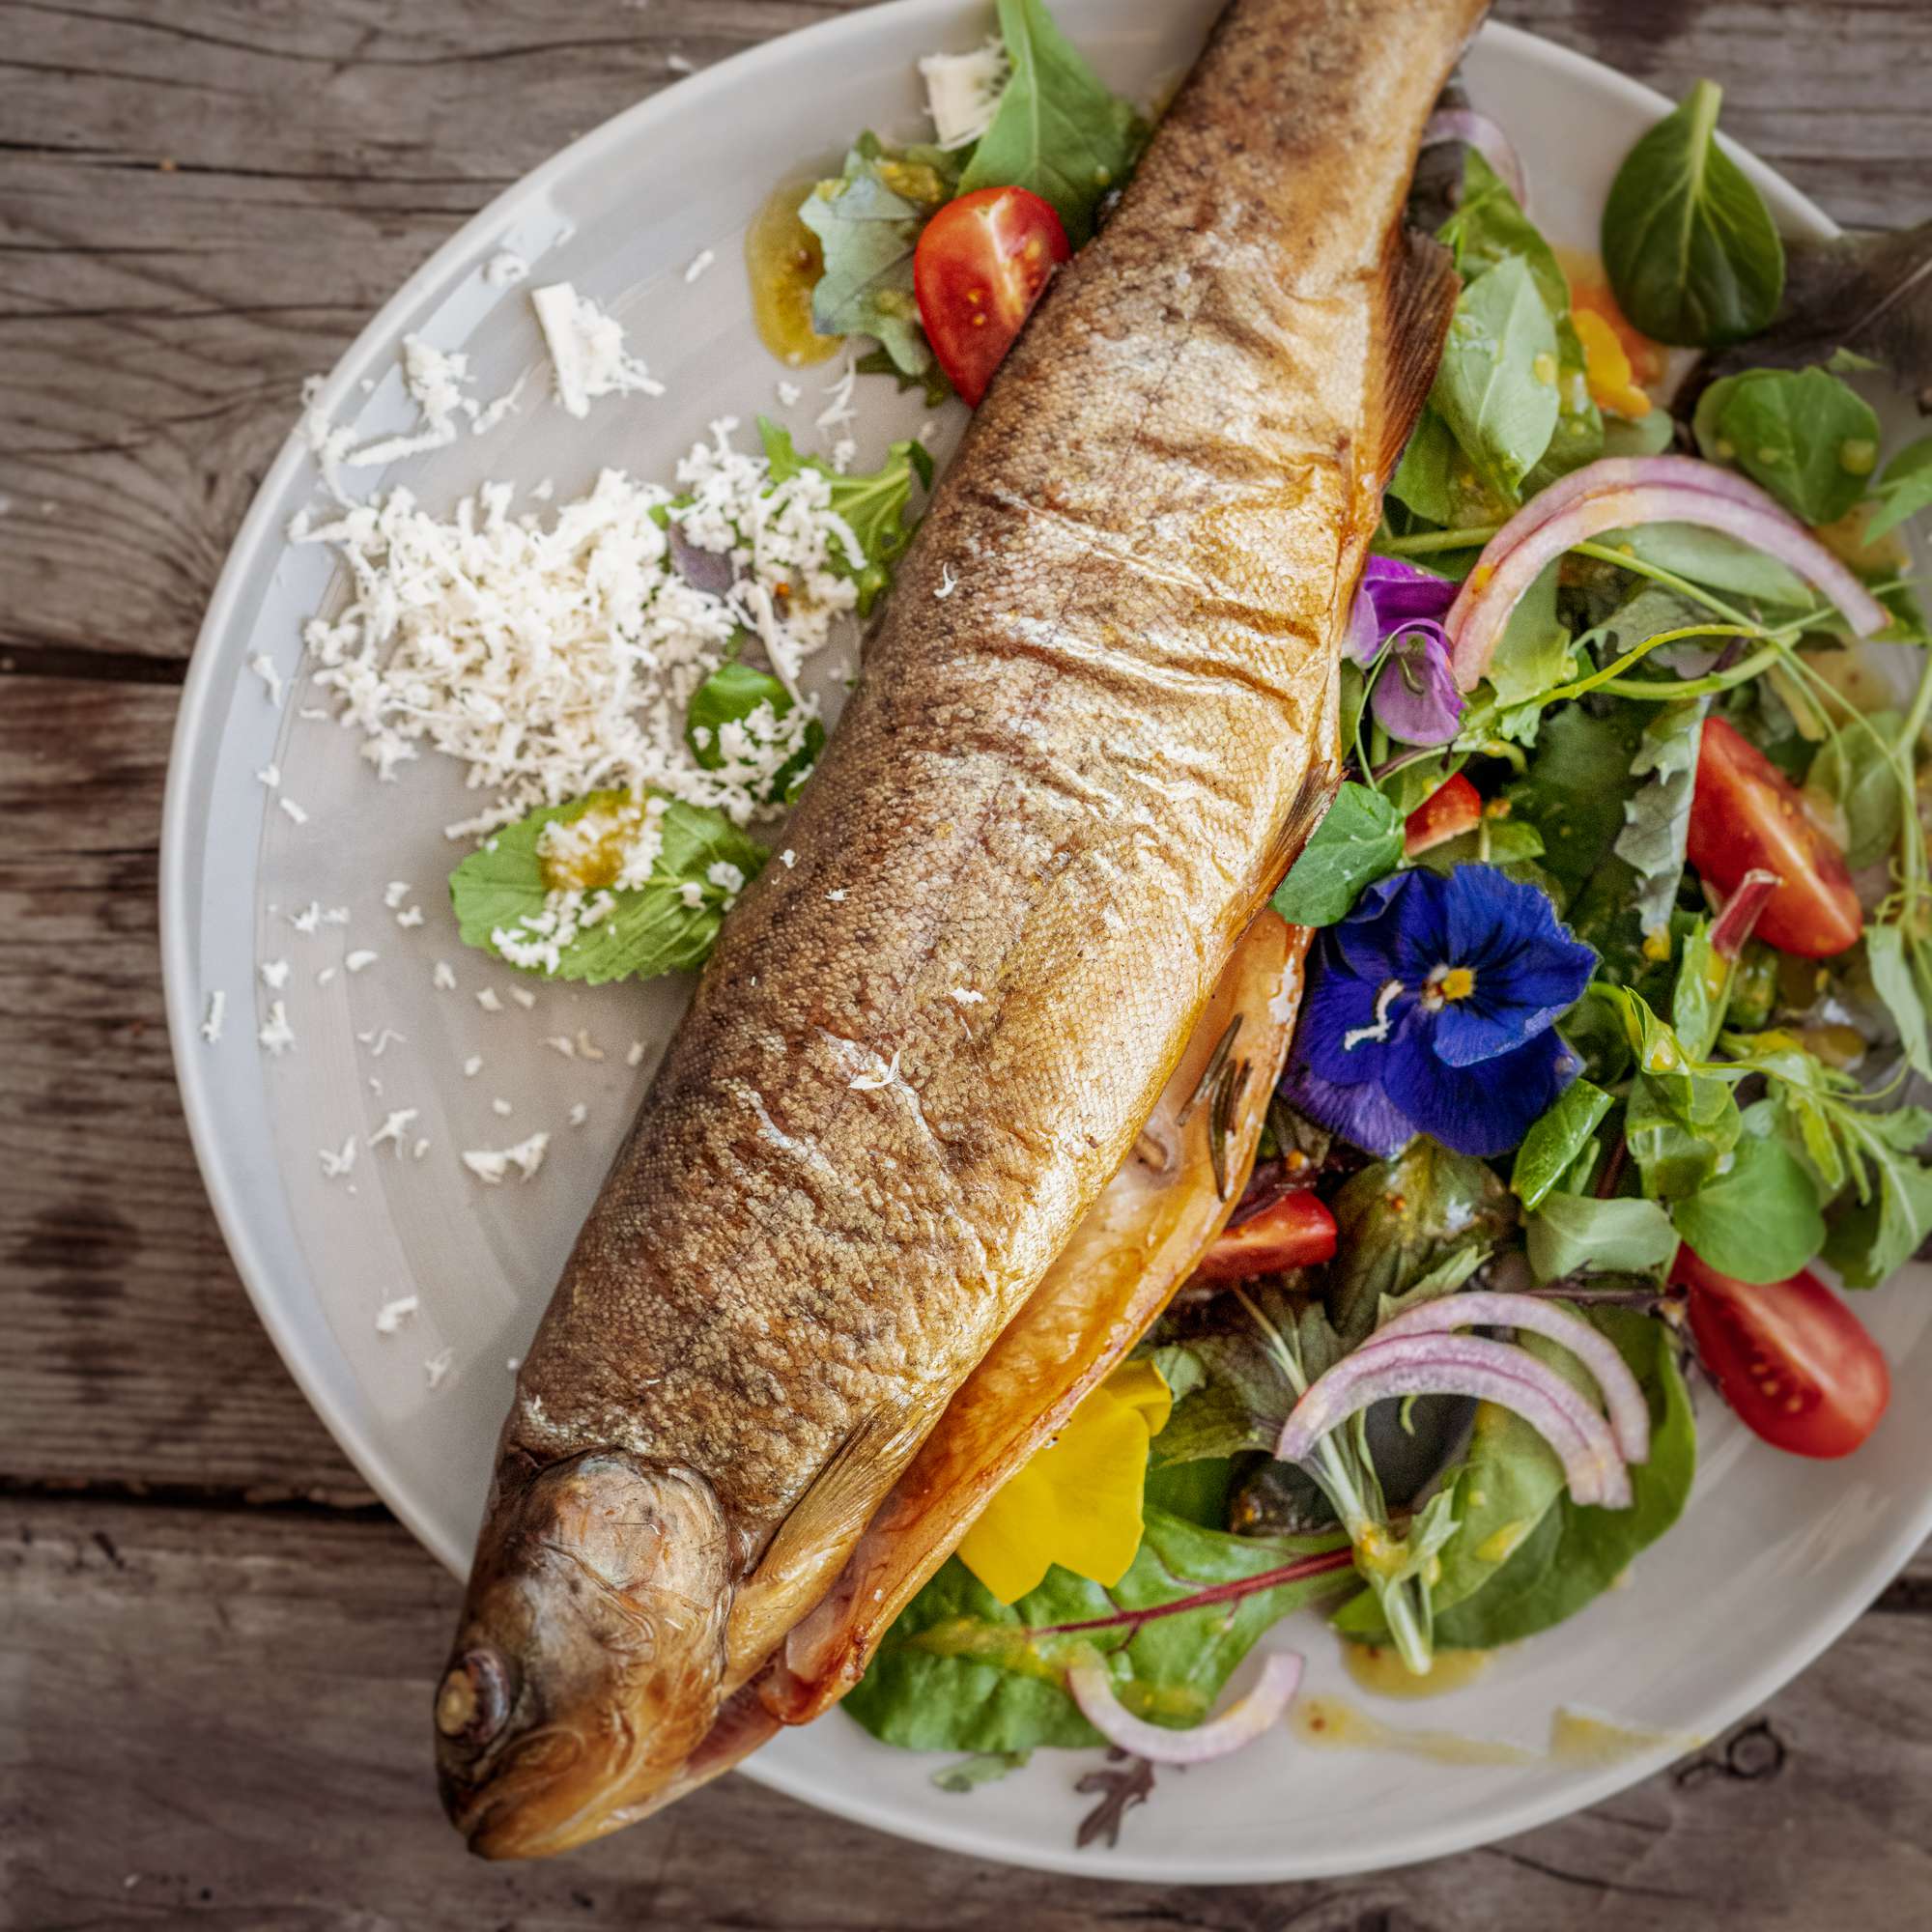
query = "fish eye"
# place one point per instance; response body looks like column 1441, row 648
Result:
column 474, row 1700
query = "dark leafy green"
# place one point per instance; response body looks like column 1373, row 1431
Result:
column 731, row 696
column 1397, row 1220
column 1357, row 842
column 1577, row 1551
column 873, row 503
column 1574, row 791
column 1811, row 439
column 1496, row 385
column 1689, row 247
column 1757, row 1218
column 1550, row 1148
column 1904, row 490
column 651, row 929
column 1058, row 129
column 1656, row 815
column 958, row 1671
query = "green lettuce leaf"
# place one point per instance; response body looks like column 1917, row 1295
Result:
column 959, row 1671
column 873, row 504
column 651, row 928
column 1058, row 130
column 732, row 694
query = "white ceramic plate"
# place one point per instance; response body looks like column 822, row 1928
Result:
column 1779, row 1555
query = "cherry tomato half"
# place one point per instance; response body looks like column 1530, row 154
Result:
column 1745, row 812
column 1452, row 809
column 1789, row 1357
column 981, row 264
column 1281, row 1229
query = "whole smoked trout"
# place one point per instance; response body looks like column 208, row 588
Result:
column 1051, row 811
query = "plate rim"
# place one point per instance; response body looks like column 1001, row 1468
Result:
column 195, row 720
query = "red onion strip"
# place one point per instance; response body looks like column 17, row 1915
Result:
column 1736, row 923
column 1631, row 473
column 1479, row 131
column 1622, row 1396
column 1240, row 1723
column 1515, row 555
column 1464, row 1365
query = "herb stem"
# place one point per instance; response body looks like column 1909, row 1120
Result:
column 1669, row 580
column 1431, row 543
column 1676, row 688
column 1659, row 691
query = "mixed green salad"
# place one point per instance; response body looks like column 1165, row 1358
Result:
column 1622, row 955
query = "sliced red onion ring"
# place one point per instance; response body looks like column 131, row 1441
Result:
column 1515, row 555
column 1465, row 1365
column 1240, row 1723
column 1622, row 1396
column 1479, row 131
column 1630, row 473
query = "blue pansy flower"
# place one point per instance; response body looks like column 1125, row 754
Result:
column 1399, row 609
column 1431, row 1009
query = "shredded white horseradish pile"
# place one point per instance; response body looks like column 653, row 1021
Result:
column 554, row 657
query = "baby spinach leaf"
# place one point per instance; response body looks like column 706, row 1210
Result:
column 1809, row 438
column 1656, row 815
column 1435, row 482
column 1552, row 1146
column 650, row 928
column 1574, row 1234
column 872, row 502
column 1577, row 1551
column 737, row 716
column 1689, row 247
column 961, row 1671
column 1495, row 386
column 1399, row 1219
column 867, row 222
column 1757, row 1218
column 1058, row 130
column 1904, row 490
column 1357, row 842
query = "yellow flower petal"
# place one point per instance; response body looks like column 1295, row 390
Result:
column 1078, row 1501
column 1607, row 364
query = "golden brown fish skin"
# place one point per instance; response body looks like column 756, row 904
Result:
column 1065, row 788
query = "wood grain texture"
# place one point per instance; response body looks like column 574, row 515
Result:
column 200, row 203
column 220, row 1719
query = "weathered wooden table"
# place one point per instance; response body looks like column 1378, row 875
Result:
column 215, row 1647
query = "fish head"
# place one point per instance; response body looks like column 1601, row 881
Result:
column 588, row 1665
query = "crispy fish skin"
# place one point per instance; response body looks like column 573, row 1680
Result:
column 1056, row 800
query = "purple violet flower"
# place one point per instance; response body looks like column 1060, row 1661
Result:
column 1399, row 609
column 1431, row 1009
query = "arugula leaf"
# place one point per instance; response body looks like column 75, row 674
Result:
column 1397, row 1220
column 1577, row 1551
column 734, row 696
column 1757, row 1218
column 867, row 222
column 961, row 1671
column 1700, row 996
column 1903, row 491
column 1058, row 129
column 1575, row 1234
column 650, row 928
column 873, row 504
column 1550, row 1148
column 1690, row 248
column 1657, row 816
column 1359, row 841
column 1497, row 386
column 1854, row 769
column 1533, row 652
column 1680, row 1121
column 1894, row 981
column 1809, row 438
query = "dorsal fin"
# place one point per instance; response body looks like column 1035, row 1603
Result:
column 1418, row 297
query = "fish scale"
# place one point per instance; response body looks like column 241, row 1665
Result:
column 1067, row 783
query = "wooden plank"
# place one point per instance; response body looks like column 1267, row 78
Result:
column 133, row 1355
column 194, row 216
column 224, row 1714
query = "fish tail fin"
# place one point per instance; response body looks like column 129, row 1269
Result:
column 591, row 1657
column 1418, row 298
